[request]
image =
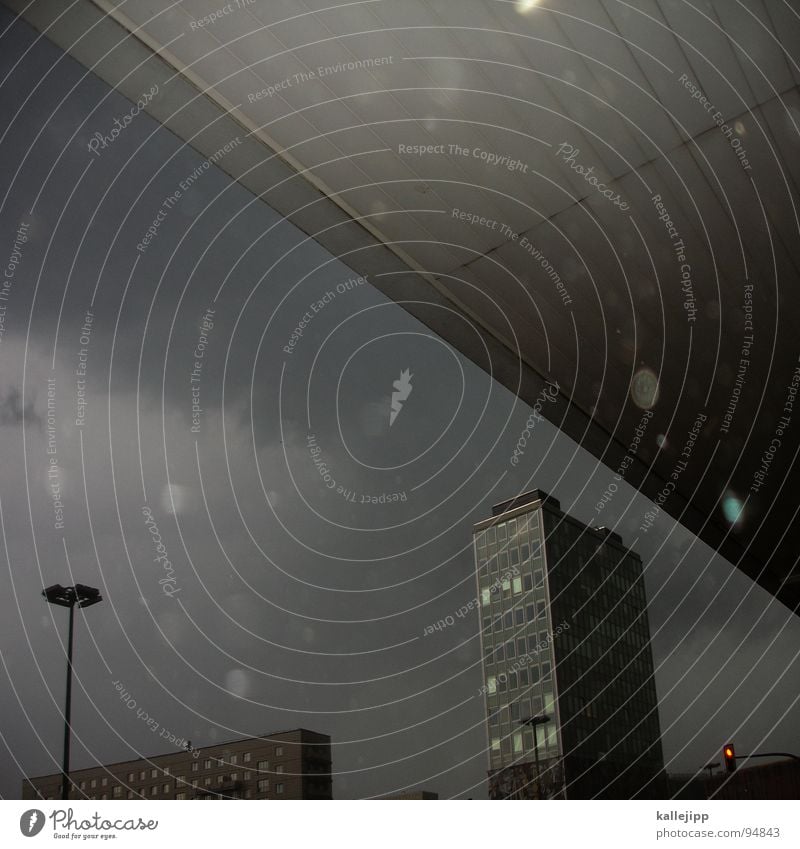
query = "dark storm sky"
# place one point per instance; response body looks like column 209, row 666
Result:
column 297, row 606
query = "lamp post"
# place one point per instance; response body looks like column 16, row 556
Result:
column 82, row 596
column 534, row 722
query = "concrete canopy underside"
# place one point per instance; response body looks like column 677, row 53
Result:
column 697, row 104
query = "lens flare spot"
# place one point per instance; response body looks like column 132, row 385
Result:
column 732, row 508
column 644, row 389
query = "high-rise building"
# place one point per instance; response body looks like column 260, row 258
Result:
column 285, row 765
column 570, row 695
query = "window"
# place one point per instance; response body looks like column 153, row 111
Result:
column 278, row 751
column 263, row 785
column 117, row 792
column 104, row 782
column 195, row 766
column 486, row 597
column 262, row 766
column 510, row 653
column 142, row 775
column 234, row 776
column 153, row 773
column 207, row 782
column 130, row 794
column 207, row 763
column 167, row 788
column 519, row 616
column 104, row 796
column 166, row 770
column 180, row 795
column 279, row 768
column 234, row 759
column 154, row 790
column 530, row 612
column 94, row 782
column 247, row 775
column 491, row 684
column 507, row 622
column 246, row 757
column 279, row 788
column 194, row 782
column 520, row 646
column 517, row 585
column 131, row 776
column 83, row 785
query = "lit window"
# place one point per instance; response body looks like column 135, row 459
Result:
column 495, row 744
column 491, row 684
column 279, row 788
column 246, row 757
column 517, row 740
column 278, row 751
column 517, row 585
column 486, row 597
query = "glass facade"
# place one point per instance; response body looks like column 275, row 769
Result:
column 564, row 633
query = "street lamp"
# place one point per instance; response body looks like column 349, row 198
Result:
column 82, row 596
column 534, row 722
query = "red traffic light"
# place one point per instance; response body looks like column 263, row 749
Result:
column 729, row 753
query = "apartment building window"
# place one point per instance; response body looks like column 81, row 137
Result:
column 130, row 794
column 83, row 785
column 153, row 773
column 263, row 785
column 154, row 790
column 104, row 782
column 207, row 763
column 117, row 792
column 278, row 751
column 131, row 776
column 104, row 796
column 247, row 775
column 234, row 760
column 262, row 765
column 246, row 757
column 194, row 782
column 94, row 782
column 279, row 788
column 180, row 796
column 234, row 776
column 166, row 770
column 167, row 788
column 279, row 768
column 195, row 766
column 142, row 775
column 207, row 782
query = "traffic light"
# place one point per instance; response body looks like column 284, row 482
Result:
column 729, row 753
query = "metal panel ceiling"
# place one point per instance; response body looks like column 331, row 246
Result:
column 488, row 75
